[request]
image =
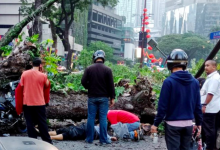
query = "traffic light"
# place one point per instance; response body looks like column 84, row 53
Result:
column 141, row 38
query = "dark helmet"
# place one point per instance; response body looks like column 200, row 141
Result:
column 99, row 54
column 177, row 58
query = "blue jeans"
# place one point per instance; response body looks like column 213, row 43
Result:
column 101, row 105
column 132, row 127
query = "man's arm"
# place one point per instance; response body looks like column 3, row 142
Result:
column 111, row 86
column 212, row 90
column 47, row 83
column 22, row 80
column 84, row 79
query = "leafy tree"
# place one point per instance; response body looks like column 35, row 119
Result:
column 194, row 45
column 63, row 18
column 215, row 28
column 94, row 46
column 85, row 58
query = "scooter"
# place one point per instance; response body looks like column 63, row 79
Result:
column 9, row 119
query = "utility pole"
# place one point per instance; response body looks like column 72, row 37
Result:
column 143, row 37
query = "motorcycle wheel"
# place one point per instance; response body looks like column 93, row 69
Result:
column 21, row 127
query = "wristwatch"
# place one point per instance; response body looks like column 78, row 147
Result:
column 204, row 105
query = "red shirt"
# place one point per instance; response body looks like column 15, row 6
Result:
column 115, row 116
column 33, row 92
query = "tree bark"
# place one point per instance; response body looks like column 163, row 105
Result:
column 74, row 105
column 16, row 29
column 53, row 32
column 12, row 67
column 37, row 25
column 68, row 18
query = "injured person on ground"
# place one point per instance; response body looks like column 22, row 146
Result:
column 75, row 133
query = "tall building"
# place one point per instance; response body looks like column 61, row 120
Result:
column 128, row 8
column 9, row 14
column 128, row 42
column 187, row 15
column 158, row 10
column 104, row 25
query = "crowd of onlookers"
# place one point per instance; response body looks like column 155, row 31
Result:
column 183, row 100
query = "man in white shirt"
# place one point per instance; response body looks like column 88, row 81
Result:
column 210, row 99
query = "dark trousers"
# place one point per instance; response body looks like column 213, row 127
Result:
column 178, row 138
column 36, row 115
column 209, row 131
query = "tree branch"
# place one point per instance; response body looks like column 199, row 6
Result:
column 61, row 15
column 59, row 30
column 72, row 14
column 63, row 7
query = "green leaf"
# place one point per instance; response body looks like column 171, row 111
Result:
column 118, row 92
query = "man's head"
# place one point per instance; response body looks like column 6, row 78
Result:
column 99, row 55
column 36, row 62
column 177, row 59
column 210, row 66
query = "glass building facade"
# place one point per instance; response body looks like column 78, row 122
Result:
column 198, row 17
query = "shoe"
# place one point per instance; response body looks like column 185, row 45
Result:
column 136, row 135
column 126, row 137
column 105, row 144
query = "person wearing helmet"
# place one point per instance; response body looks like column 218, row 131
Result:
column 179, row 103
column 98, row 79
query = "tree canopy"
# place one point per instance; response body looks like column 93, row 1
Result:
column 85, row 58
column 194, row 45
column 215, row 28
column 62, row 16
column 94, row 46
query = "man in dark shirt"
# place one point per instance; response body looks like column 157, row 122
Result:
column 98, row 80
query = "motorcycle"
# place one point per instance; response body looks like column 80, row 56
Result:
column 9, row 119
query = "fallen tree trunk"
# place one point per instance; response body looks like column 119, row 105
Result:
column 16, row 29
column 74, row 105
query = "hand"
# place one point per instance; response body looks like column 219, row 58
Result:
column 153, row 129
column 199, row 128
column 114, row 139
column 203, row 109
column 112, row 102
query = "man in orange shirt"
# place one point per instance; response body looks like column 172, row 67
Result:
column 33, row 83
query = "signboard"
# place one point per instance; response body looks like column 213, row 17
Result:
column 215, row 35
column 152, row 43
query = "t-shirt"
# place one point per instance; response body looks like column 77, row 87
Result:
column 33, row 82
column 211, row 86
column 115, row 116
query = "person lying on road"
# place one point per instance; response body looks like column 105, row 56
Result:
column 75, row 133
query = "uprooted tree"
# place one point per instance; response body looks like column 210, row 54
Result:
column 68, row 103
